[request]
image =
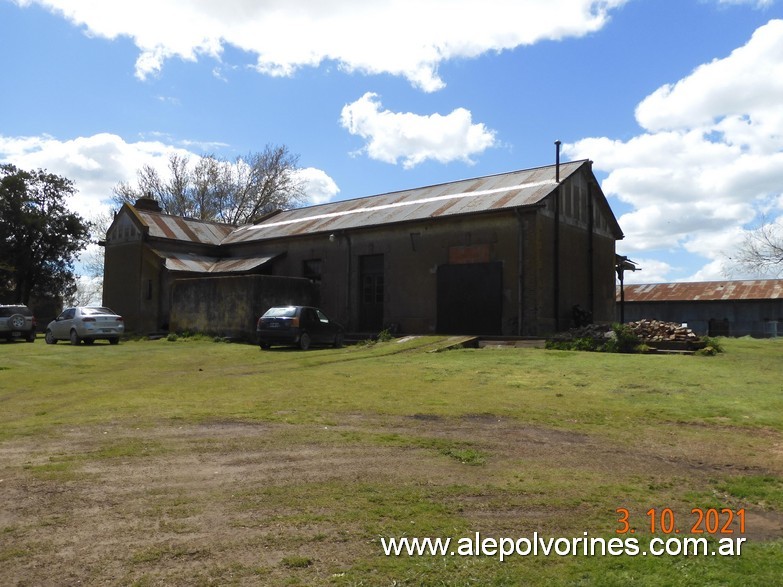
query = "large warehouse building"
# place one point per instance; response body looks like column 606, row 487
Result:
column 509, row 254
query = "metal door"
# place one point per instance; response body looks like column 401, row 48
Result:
column 371, row 293
column 470, row 298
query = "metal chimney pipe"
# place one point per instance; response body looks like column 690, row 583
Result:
column 557, row 161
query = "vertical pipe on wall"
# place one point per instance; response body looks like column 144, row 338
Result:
column 590, row 245
column 556, row 261
column 620, row 273
column 520, row 272
column 349, row 287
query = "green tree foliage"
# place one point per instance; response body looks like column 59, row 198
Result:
column 234, row 192
column 39, row 236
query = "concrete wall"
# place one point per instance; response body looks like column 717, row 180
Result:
column 231, row 306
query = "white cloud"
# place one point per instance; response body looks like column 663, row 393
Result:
column 408, row 38
column 319, row 187
column 745, row 87
column 650, row 271
column 97, row 163
column 710, row 159
column 415, row 138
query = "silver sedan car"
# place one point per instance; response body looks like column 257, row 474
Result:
column 85, row 323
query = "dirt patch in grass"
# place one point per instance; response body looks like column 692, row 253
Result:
column 244, row 503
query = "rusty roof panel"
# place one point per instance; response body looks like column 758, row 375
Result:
column 203, row 264
column 758, row 289
column 508, row 190
column 184, row 229
column 502, row 201
column 161, row 225
column 184, row 226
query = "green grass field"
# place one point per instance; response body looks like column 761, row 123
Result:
column 203, row 463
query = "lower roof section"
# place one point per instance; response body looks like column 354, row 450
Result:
column 192, row 263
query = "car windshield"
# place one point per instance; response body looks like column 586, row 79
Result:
column 288, row 312
column 95, row 311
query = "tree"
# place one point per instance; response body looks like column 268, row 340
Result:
column 39, row 237
column 89, row 284
column 761, row 252
column 238, row 192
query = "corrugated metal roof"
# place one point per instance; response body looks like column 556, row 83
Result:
column 508, row 190
column 202, row 264
column 184, row 229
column 758, row 289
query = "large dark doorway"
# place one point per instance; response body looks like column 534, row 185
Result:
column 470, row 298
column 371, row 293
column 718, row 327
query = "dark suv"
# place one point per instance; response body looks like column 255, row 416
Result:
column 17, row 321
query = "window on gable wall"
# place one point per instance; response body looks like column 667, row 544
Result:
column 311, row 269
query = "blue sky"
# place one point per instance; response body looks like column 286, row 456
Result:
column 679, row 103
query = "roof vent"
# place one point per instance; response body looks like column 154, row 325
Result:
column 147, row 203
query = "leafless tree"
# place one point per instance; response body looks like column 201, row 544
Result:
column 238, row 192
column 761, row 252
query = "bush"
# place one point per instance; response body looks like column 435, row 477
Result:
column 622, row 338
column 384, row 335
column 707, row 351
column 623, row 341
column 584, row 343
column 644, row 348
column 558, row 345
column 713, row 343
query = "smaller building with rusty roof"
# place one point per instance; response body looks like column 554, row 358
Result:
column 718, row 308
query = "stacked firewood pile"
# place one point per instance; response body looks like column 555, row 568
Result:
column 658, row 331
column 645, row 330
column 639, row 336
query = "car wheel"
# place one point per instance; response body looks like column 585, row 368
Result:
column 89, row 340
column 304, row 341
column 338, row 340
column 114, row 341
column 75, row 338
column 264, row 345
column 49, row 337
column 16, row 322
